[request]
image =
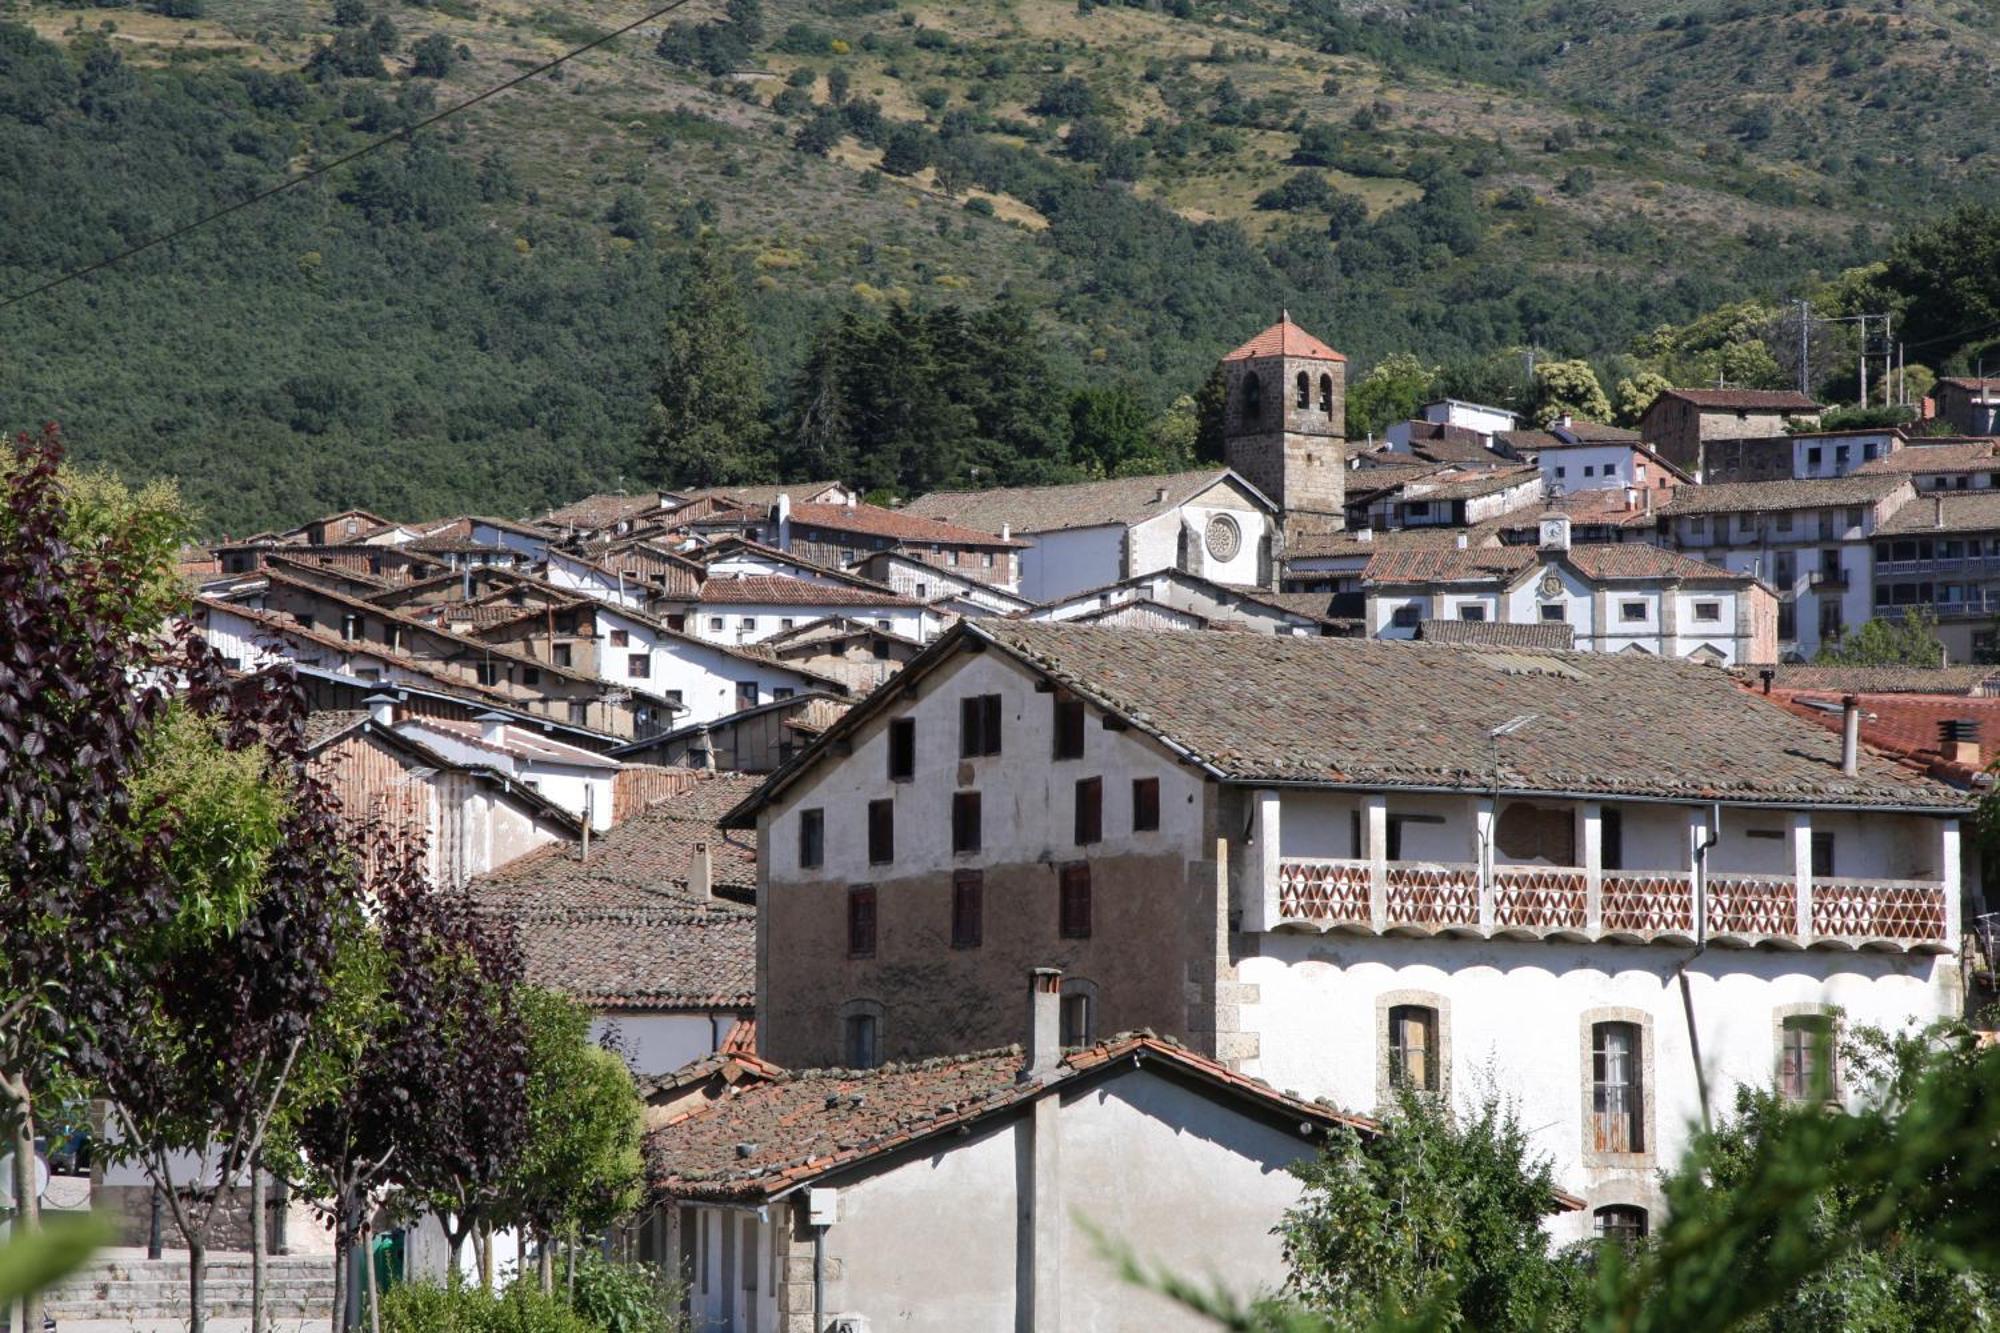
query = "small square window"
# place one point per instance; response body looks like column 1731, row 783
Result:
column 881, row 832
column 1472, row 613
column 562, row 655
column 1145, row 805
column 531, row 676
column 1553, row 612
column 1710, row 611
column 979, row 725
column 861, row 921
column 639, row 665
column 715, row 624
column 1631, row 611
column 1405, row 617
column 812, row 838
column 619, row 638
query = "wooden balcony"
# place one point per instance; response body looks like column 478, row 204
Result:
column 1630, row 906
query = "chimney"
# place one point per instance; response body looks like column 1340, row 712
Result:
column 1937, row 511
column 1631, row 497
column 1364, row 535
column 1958, row 739
column 1460, row 541
column 781, row 521
column 381, row 709
column 701, row 873
column 1566, row 421
column 1159, row 495
column 1006, row 532
column 1850, row 735
column 1044, row 1048
column 1765, row 674
column 705, row 746
column 1649, row 499
column 492, row 728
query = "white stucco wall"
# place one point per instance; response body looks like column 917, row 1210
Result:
column 1027, row 799
column 1517, row 1023
column 705, row 678
column 656, row 1043
column 728, row 622
column 1592, row 468
column 1060, row 563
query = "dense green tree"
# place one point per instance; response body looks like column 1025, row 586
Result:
column 1947, row 275
column 1569, row 388
column 1392, row 390
column 907, row 151
column 1110, row 428
column 1438, row 1213
column 706, row 425
column 1637, row 392
column 433, row 56
column 1909, row 641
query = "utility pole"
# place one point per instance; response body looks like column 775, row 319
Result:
column 1805, row 327
column 1864, row 360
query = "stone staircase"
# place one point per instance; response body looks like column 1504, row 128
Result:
column 138, row 1289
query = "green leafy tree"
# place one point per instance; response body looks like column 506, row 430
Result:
column 1910, row 641
column 580, row 1168
column 1392, row 390
column 706, row 425
column 1947, row 275
column 433, row 57
column 1437, row 1213
column 1568, row 388
column 1109, row 428
column 1636, row 393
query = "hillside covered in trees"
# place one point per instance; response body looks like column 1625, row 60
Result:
column 955, row 242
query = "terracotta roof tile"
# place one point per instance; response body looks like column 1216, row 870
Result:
column 1746, row 400
column 903, row 525
column 1964, row 456
column 682, row 956
column 1259, row 708
column 765, row 1135
column 1890, row 680
column 1751, row 496
column 782, row 590
column 1284, row 339
column 1946, row 511
column 1120, row 501
column 1538, row 634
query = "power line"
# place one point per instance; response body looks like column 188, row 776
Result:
column 363, row 151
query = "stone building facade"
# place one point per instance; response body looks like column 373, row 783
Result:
column 1285, row 424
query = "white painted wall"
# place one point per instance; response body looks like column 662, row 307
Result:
column 1594, row 467
column 734, row 623
column 567, row 571
column 1060, row 563
column 706, row 679
column 1027, row 800
column 1516, row 1024
column 657, row 1043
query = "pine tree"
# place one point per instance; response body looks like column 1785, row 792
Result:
column 706, row 425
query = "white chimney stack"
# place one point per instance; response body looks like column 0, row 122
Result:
column 492, row 728
column 1850, row 735
column 701, row 873
column 1044, row 1049
column 381, row 709
column 781, row 515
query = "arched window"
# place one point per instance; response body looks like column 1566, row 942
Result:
column 1326, row 394
column 1305, row 391
column 1253, row 399
column 1621, row 1222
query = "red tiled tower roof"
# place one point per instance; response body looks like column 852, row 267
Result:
column 1284, row 339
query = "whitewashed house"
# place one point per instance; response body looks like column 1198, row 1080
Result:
column 1212, row 523
column 750, row 608
column 1614, row 886
column 708, row 677
column 1476, row 418
column 961, row 1192
column 1618, row 597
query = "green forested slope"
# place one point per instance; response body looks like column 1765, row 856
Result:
column 470, row 322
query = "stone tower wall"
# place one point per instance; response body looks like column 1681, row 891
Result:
column 1293, row 454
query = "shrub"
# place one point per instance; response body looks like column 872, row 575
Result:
column 624, row 1298
column 424, row 1307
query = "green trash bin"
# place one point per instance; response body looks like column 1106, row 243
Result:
column 387, row 1255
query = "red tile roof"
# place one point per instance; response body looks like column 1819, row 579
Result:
column 781, row 590
column 1746, row 400
column 875, row 521
column 1284, row 339
column 1904, row 727
column 760, row 1138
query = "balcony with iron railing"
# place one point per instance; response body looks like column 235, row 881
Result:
column 1681, row 905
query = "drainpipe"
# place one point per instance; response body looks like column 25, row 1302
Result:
column 1701, row 849
column 819, row 1277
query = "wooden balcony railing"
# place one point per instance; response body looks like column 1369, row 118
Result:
column 1633, row 905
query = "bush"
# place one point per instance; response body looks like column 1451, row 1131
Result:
column 423, row 1307
column 625, row 1298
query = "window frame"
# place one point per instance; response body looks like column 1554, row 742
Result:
column 1402, row 1020
column 1792, row 1083
column 967, row 834
column 902, row 749
column 1069, row 722
column 979, row 725
column 1145, row 805
column 1074, row 908
column 881, row 832
column 863, row 921
column 812, row 838
column 1089, row 811
column 968, row 909
column 1600, row 1145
